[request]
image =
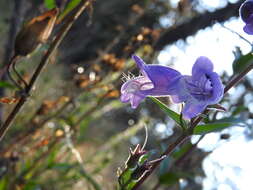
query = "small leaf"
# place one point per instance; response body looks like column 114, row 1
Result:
column 143, row 158
column 125, row 177
column 51, row 157
column 211, row 127
column 50, row 4
column 130, row 185
column 31, row 185
column 239, row 109
column 5, row 85
column 242, row 62
column 3, row 183
column 173, row 115
column 69, row 7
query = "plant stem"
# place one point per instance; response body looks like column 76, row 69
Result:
column 82, row 6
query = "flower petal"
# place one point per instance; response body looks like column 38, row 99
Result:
column 248, row 28
column 162, row 78
column 139, row 62
column 131, row 91
column 125, row 97
column 179, row 91
column 192, row 108
column 179, row 98
column 136, row 100
column 217, row 88
column 201, row 66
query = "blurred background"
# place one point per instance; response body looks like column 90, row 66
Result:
column 74, row 133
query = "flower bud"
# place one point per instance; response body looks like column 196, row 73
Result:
column 134, row 157
column 35, row 32
column 246, row 14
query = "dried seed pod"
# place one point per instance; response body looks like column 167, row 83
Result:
column 35, row 32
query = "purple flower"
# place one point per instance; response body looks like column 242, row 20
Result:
column 246, row 13
column 155, row 80
column 201, row 89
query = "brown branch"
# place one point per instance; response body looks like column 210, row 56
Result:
column 82, row 6
column 195, row 24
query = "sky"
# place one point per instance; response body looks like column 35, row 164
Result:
column 229, row 166
column 219, row 47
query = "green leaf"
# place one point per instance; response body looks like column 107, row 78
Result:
column 173, row 115
column 3, row 183
column 169, row 178
column 211, row 127
column 82, row 135
column 51, row 157
column 125, row 177
column 143, row 158
column 50, row 4
column 130, row 185
column 242, row 62
column 6, row 85
column 31, row 185
column 239, row 109
column 69, row 7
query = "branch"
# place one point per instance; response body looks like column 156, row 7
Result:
column 43, row 63
column 195, row 24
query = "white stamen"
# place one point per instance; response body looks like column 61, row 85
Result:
column 130, row 75
column 126, row 77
